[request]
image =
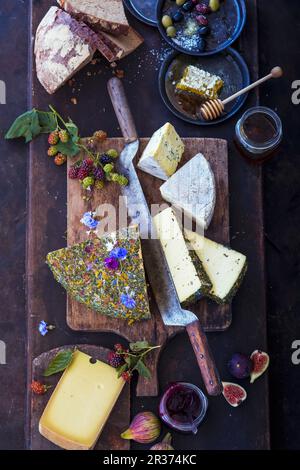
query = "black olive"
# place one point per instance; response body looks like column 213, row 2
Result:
column 201, row 45
column 177, row 16
column 203, row 30
column 188, row 6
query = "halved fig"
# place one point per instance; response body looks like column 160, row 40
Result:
column 234, row 393
column 260, row 363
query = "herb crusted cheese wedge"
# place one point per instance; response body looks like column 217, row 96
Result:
column 190, row 279
column 225, row 267
column 163, row 153
column 107, row 274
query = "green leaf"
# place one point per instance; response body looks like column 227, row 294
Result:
column 143, row 370
column 139, row 346
column 69, row 148
column 61, row 361
column 73, row 131
column 47, row 122
column 122, row 369
column 27, row 126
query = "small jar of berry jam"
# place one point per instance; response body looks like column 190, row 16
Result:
column 183, row 407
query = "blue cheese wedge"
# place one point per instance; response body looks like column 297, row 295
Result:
column 193, row 189
column 225, row 267
column 163, row 153
column 189, row 278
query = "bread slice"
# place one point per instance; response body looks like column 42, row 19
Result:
column 62, row 47
column 100, row 15
column 120, row 46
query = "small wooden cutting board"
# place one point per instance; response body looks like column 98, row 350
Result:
column 213, row 317
column 117, row 423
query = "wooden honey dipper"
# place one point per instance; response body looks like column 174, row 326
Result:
column 212, row 109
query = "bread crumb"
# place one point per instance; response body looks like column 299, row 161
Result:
column 73, row 100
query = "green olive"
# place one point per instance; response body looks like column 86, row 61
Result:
column 171, row 31
column 166, row 21
column 214, row 5
column 180, row 2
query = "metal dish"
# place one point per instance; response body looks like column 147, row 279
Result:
column 143, row 10
column 216, row 42
column 228, row 64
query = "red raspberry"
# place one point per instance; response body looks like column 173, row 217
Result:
column 114, row 359
column 53, row 138
column 126, row 376
column 73, row 173
column 201, row 19
column 38, row 388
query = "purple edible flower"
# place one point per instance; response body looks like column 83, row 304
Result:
column 111, row 263
column 128, row 301
column 119, row 253
column 89, row 221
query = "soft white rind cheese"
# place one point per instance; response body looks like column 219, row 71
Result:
column 193, row 189
column 180, row 264
column 163, row 153
column 224, row 266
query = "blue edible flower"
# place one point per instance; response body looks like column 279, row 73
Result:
column 44, row 328
column 119, row 253
column 89, row 221
column 128, row 301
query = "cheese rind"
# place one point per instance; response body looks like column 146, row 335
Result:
column 225, row 267
column 163, row 153
column 189, row 278
column 81, row 403
column 192, row 188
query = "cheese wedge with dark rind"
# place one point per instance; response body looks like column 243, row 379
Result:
column 189, row 277
column 225, row 267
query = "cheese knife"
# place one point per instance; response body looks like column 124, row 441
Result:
column 156, row 265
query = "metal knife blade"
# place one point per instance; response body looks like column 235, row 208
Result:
column 157, row 269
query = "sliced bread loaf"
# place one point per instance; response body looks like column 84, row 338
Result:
column 100, row 15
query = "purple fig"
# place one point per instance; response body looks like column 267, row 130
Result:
column 165, row 444
column 260, row 363
column 234, row 393
column 144, row 428
column 240, row 366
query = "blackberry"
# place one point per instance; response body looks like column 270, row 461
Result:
column 99, row 174
column 53, row 138
column 126, row 376
column 105, row 159
column 115, row 360
column 87, row 164
column 52, row 151
column 60, row 159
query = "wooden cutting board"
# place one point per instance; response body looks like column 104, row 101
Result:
column 213, row 317
column 118, row 421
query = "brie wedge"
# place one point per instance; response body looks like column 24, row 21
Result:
column 163, row 153
column 189, row 278
column 193, row 189
column 225, row 267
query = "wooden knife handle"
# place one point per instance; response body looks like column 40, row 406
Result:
column 119, row 101
column 205, row 359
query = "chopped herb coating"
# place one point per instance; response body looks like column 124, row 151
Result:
column 82, row 270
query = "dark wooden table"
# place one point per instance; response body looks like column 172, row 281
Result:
column 249, row 424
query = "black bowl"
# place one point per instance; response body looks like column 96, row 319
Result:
column 237, row 8
column 228, row 64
